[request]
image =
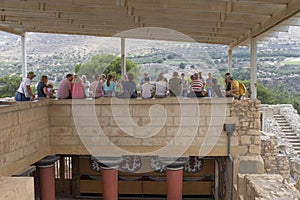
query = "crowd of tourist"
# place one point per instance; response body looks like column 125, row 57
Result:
column 76, row 87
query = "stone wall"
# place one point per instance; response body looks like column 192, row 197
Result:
column 279, row 156
column 267, row 187
column 274, row 161
column 24, row 135
column 16, row 188
column 249, row 160
column 171, row 127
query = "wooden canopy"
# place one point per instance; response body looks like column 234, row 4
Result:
column 226, row 22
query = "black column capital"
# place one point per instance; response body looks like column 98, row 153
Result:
column 47, row 161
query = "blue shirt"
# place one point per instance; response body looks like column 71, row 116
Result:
column 40, row 90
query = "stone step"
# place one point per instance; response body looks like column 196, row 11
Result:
column 289, row 132
column 286, row 127
column 292, row 138
column 278, row 115
column 282, row 122
column 293, row 142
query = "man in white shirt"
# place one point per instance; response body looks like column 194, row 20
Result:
column 24, row 92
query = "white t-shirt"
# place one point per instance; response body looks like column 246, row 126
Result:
column 86, row 86
column 146, row 90
column 22, row 88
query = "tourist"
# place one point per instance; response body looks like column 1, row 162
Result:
column 64, row 90
column 42, row 90
column 142, row 81
column 185, row 85
column 234, row 87
column 146, row 89
column 77, row 88
column 24, row 92
column 216, row 90
column 196, row 87
column 109, row 86
column 175, row 85
column 129, row 87
column 161, row 86
column 201, row 78
column 86, row 85
column 50, row 90
column 161, row 77
column 209, row 84
column 227, row 83
column 96, row 87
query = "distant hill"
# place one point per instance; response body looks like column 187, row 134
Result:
column 56, row 55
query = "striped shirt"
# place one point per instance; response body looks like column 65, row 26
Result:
column 196, row 86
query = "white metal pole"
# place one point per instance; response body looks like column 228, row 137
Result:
column 230, row 60
column 24, row 60
column 253, row 64
column 123, row 56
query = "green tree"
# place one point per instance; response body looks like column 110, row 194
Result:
column 9, row 85
column 107, row 64
column 77, row 68
column 263, row 94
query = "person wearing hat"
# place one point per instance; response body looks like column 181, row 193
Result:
column 142, row 81
column 24, row 92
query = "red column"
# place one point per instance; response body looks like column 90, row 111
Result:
column 47, row 182
column 47, row 177
column 110, row 183
column 174, row 183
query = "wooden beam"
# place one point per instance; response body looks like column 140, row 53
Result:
column 277, row 18
column 11, row 30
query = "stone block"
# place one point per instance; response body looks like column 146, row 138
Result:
column 251, row 165
column 245, row 139
column 254, row 149
column 172, row 131
column 61, row 131
column 21, row 188
column 116, row 131
column 156, row 141
column 8, row 119
column 190, row 121
column 61, row 121
column 126, row 141
column 60, row 110
column 64, row 140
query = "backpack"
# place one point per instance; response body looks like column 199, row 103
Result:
column 242, row 89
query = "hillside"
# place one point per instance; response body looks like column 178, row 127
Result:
column 56, row 55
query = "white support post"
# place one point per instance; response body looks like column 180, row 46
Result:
column 24, row 60
column 253, row 64
column 230, row 60
column 123, row 56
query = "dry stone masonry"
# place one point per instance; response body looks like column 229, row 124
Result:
column 278, row 148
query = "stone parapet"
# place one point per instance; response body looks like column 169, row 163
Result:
column 142, row 126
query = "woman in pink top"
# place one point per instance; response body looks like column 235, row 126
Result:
column 77, row 88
